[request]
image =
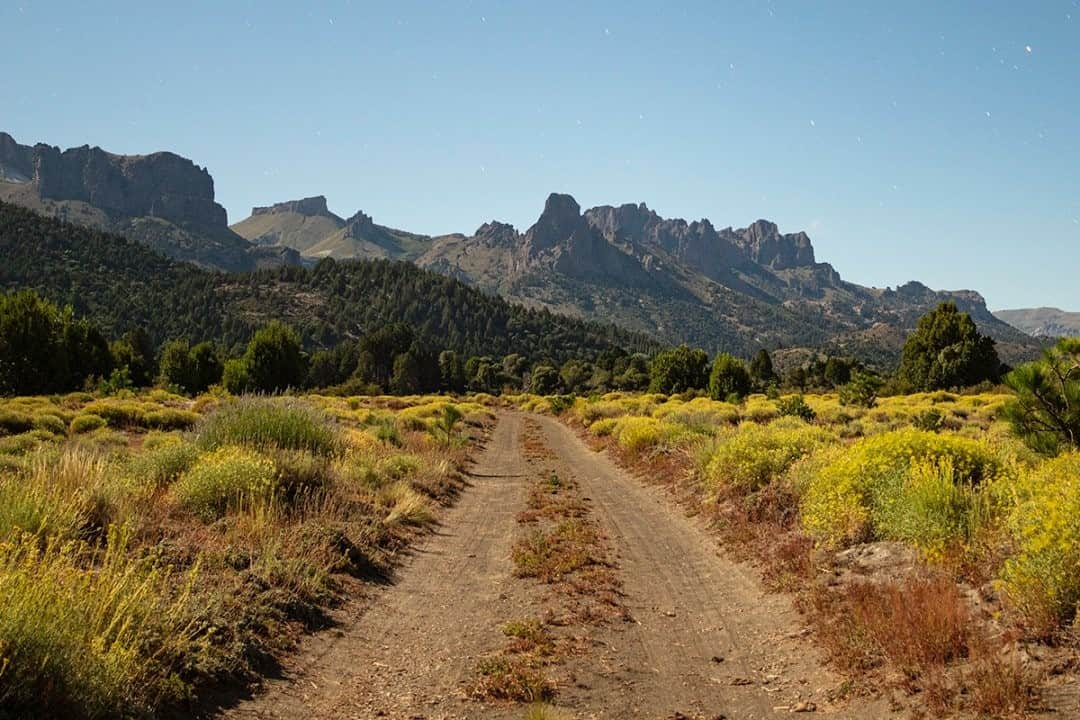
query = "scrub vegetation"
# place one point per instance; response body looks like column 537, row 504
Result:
column 152, row 545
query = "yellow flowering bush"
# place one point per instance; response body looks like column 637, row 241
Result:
column 760, row 409
column 638, row 433
column 852, row 498
column 700, row 414
column 604, row 427
column 590, row 412
column 1043, row 579
column 754, row 455
column 224, row 478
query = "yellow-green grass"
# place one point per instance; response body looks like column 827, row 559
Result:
column 217, row 528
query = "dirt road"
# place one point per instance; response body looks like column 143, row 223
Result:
column 705, row 641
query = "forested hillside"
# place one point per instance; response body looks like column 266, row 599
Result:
column 121, row 285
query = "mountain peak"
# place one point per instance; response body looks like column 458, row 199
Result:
column 561, row 208
column 765, row 245
column 308, row 207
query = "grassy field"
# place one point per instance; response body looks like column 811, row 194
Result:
column 930, row 549
column 151, row 544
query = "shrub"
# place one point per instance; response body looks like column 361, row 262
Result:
column 861, row 391
column 407, row 507
column 852, row 497
column 637, row 433
column 930, row 420
column 931, row 509
column 86, row 422
column 264, row 423
column 223, row 479
column 754, row 455
column 88, row 643
column 50, row 423
column 795, row 406
column 171, row 419
column 118, row 413
column 1043, row 579
column 14, row 422
column 604, row 427
column 164, row 463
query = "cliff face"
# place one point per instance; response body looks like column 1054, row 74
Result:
column 162, row 199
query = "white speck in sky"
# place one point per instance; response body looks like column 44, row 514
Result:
column 1027, row 49
column 731, row 66
column 331, row 21
column 641, row 116
column 483, row 170
column 607, row 31
column 987, row 113
column 812, row 124
column 858, row 139
column 483, row 19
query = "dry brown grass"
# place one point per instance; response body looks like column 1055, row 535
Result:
column 511, row 678
column 919, row 635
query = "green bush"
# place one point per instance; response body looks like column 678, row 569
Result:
column 930, row 420
column 50, row 423
column 795, row 406
column 171, row 419
column 13, row 422
column 86, row 423
column 267, row 423
column 224, row 479
column 119, row 413
column 164, row 463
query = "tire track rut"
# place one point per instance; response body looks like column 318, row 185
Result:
column 706, row 640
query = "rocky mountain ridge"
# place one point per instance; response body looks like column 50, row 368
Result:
column 1043, row 322
column 730, row 288
column 162, row 199
column 736, row 289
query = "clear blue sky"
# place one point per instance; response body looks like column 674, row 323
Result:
column 911, row 140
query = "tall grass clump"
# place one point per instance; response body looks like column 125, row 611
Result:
column 65, row 494
column 265, row 423
column 1043, row 579
column 863, row 493
column 165, row 462
column 88, row 634
column 223, row 480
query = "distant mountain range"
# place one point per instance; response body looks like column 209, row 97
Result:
column 1043, row 322
column 678, row 281
column 735, row 289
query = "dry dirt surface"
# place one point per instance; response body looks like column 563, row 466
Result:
column 703, row 639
